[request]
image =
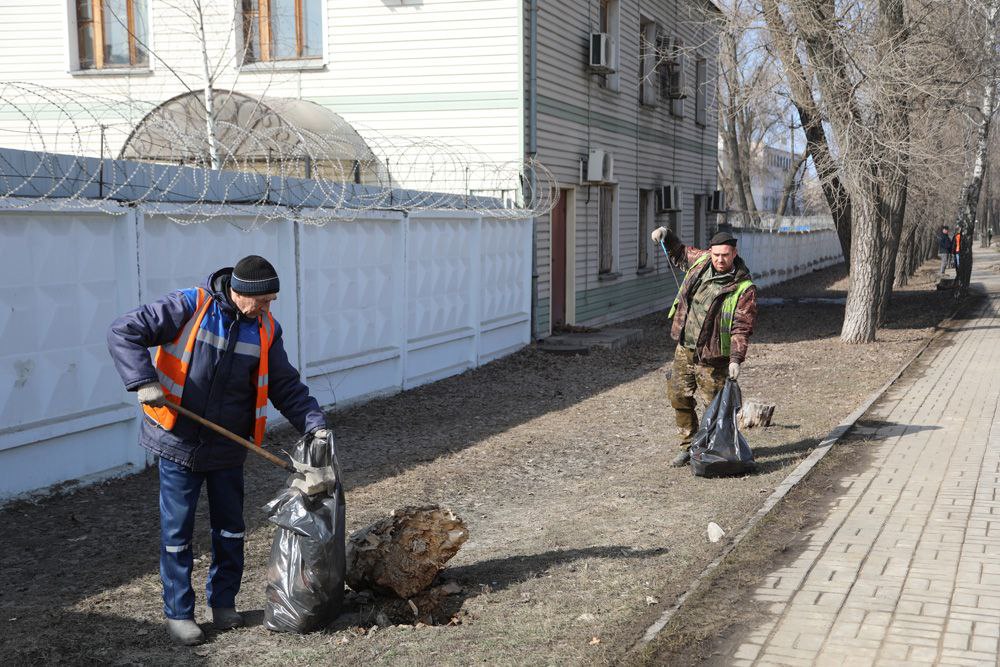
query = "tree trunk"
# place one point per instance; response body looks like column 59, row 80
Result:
column 788, row 189
column 861, row 310
column 836, row 195
column 970, row 198
column 730, row 128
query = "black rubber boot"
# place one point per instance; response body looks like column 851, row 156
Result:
column 225, row 618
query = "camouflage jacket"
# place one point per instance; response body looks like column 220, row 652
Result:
column 707, row 350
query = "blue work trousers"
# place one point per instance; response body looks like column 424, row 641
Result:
column 179, row 490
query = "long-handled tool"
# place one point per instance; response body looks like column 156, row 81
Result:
column 313, row 480
column 284, row 465
column 670, row 263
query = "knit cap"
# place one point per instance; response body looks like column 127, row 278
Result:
column 254, row 275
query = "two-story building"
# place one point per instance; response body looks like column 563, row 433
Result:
column 616, row 98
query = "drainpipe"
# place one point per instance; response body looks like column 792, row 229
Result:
column 533, row 149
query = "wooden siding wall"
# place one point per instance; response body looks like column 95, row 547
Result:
column 651, row 147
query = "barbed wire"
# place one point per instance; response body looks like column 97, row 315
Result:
column 286, row 158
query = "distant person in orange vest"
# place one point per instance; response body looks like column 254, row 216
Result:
column 221, row 356
column 956, row 247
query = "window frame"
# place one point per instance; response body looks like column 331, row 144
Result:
column 265, row 59
column 611, row 248
column 649, row 92
column 609, row 22
column 647, row 215
column 701, row 90
column 136, row 41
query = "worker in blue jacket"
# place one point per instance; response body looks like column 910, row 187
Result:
column 220, row 354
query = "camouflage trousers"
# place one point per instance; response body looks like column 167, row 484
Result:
column 688, row 379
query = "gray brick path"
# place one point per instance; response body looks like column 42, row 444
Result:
column 906, row 567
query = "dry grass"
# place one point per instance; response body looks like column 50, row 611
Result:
column 558, row 464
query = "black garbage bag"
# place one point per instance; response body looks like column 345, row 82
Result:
column 305, row 576
column 719, row 448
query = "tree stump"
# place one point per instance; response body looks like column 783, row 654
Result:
column 402, row 553
column 755, row 414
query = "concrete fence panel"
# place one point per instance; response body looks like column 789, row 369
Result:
column 371, row 304
column 775, row 256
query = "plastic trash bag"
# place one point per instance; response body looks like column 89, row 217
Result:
column 719, row 448
column 305, row 575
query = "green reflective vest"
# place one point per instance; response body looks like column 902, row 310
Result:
column 728, row 305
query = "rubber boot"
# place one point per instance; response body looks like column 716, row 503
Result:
column 225, row 618
column 185, row 631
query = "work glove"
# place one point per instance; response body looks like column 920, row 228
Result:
column 152, row 395
column 660, row 234
column 321, row 433
column 734, row 370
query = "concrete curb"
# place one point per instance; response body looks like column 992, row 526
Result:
column 796, row 476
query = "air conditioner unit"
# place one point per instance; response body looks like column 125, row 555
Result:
column 600, row 53
column 668, row 198
column 598, row 167
column 718, row 202
column 665, row 46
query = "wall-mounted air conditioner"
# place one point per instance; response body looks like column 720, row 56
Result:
column 717, row 204
column 678, row 88
column 598, row 167
column 668, row 198
column 601, row 59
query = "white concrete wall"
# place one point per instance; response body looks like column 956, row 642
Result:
column 774, row 257
column 369, row 306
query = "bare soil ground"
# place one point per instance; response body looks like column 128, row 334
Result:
column 581, row 533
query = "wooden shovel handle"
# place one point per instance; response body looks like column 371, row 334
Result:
column 235, row 438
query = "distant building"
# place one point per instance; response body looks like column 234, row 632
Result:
column 767, row 182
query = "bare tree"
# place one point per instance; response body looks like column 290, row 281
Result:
column 985, row 112
column 800, row 87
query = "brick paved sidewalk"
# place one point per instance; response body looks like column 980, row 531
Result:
column 906, row 567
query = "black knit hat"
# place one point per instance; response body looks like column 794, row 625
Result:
column 723, row 238
column 254, row 275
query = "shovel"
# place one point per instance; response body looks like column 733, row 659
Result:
column 312, row 480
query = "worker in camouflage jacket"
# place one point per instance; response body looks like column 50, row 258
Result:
column 713, row 316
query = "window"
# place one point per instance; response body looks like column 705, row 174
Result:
column 606, row 228
column 282, row 30
column 647, row 62
column 700, row 93
column 645, row 215
column 673, row 83
column 607, row 22
column 111, row 33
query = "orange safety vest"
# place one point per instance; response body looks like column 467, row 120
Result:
column 958, row 241
column 172, row 361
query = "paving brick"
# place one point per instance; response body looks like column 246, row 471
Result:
column 905, row 568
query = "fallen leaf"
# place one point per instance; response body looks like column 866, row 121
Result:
column 650, row 600
column 595, row 640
